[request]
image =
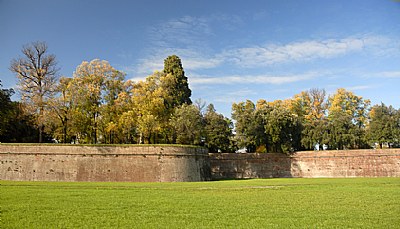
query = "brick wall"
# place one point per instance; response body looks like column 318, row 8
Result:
column 92, row 163
column 172, row 163
column 351, row 163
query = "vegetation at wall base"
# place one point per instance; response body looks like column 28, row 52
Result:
column 258, row 203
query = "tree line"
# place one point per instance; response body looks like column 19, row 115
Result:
column 97, row 105
column 339, row 121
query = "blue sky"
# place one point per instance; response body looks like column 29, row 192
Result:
column 231, row 50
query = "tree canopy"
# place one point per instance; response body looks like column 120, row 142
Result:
column 97, row 105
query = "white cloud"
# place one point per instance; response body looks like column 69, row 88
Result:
column 394, row 74
column 257, row 56
column 191, row 60
column 194, row 58
column 190, row 39
column 359, row 87
column 184, row 31
column 253, row 79
column 138, row 78
column 194, row 63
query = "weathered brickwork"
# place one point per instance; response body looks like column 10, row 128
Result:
column 92, row 163
column 165, row 164
column 352, row 163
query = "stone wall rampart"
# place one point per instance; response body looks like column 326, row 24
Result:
column 347, row 163
column 176, row 163
column 103, row 163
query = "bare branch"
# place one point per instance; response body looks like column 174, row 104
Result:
column 37, row 75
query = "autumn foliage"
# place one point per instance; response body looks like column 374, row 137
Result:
column 98, row 105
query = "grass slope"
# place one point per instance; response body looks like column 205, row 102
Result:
column 267, row 203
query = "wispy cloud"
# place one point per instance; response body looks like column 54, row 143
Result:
column 191, row 60
column 185, row 32
column 393, row 74
column 190, row 38
column 253, row 79
column 194, row 58
column 265, row 55
column 359, row 87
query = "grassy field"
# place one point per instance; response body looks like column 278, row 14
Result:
column 267, row 203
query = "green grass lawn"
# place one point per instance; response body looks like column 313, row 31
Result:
column 260, row 203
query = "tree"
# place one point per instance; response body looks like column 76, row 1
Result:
column 249, row 126
column 283, row 129
column 96, row 85
column 127, row 121
column 347, row 119
column 310, row 105
column 218, row 131
column 178, row 87
column 113, row 88
column 384, row 125
column 61, row 110
column 37, row 78
column 267, row 126
column 6, row 107
column 187, row 124
column 15, row 124
column 314, row 132
column 148, row 103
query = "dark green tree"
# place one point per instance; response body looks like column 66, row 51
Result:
column 218, row 132
column 341, row 132
column 187, row 124
column 15, row 124
column 179, row 91
column 283, row 130
column 249, row 127
column 314, row 132
column 384, row 125
column 6, row 107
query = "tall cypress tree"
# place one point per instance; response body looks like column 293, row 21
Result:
column 179, row 90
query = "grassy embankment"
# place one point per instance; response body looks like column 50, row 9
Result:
column 267, row 203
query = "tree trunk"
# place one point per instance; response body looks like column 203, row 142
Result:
column 41, row 133
column 40, row 123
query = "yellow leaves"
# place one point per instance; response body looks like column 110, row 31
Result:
column 147, row 124
column 346, row 103
column 310, row 104
column 94, row 70
column 111, row 127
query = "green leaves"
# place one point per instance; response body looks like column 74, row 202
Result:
column 187, row 123
column 384, row 126
column 178, row 88
column 341, row 122
column 218, row 132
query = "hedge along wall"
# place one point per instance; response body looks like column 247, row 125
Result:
column 350, row 163
column 103, row 163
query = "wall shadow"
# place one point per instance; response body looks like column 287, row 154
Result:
column 231, row 166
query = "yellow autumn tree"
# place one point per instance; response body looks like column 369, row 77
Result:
column 148, row 102
column 97, row 85
column 348, row 116
column 310, row 105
